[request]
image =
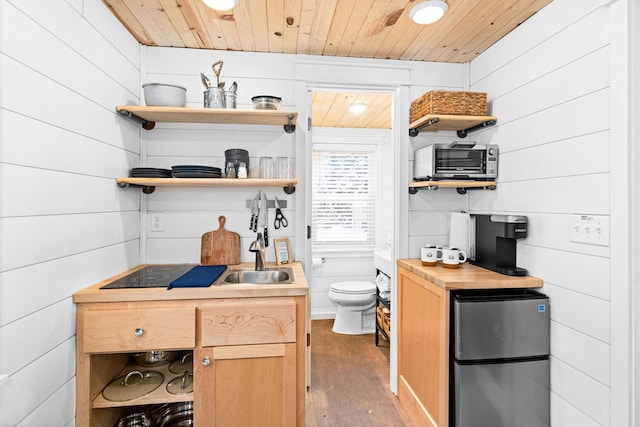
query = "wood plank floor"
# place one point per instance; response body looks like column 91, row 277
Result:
column 350, row 382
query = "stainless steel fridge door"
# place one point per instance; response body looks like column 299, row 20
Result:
column 512, row 394
column 500, row 328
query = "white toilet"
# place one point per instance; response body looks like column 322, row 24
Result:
column 356, row 302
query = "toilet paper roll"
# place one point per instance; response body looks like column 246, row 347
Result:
column 317, row 261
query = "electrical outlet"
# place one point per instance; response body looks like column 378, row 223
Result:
column 589, row 229
column 157, row 221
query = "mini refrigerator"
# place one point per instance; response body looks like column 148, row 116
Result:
column 499, row 363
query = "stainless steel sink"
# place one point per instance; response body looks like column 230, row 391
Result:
column 270, row 276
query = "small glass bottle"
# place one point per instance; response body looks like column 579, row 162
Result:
column 242, row 170
column 231, row 170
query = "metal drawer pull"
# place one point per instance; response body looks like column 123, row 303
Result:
column 206, row 362
column 138, row 332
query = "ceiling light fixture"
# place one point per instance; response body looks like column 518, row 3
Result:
column 428, row 12
column 357, row 108
column 221, row 5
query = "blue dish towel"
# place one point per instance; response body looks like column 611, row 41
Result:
column 201, row 276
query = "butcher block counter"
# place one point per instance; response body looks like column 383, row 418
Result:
column 95, row 294
column 423, row 331
column 467, row 276
column 248, row 343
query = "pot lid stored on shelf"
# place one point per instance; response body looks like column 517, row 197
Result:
column 132, row 386
column 182, row 384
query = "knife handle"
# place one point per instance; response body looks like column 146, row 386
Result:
column 251, row 222
column 266, row 237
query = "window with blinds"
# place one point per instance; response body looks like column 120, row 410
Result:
column 343, row 202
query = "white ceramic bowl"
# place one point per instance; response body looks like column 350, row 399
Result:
column 164, row 95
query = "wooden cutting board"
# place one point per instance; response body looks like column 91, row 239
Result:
column 220, row 247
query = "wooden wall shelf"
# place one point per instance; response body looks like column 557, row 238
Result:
column 149, row 185
column 460, row 186
column 148, row 116
column 462, row 124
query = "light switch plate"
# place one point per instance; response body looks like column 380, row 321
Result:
column 589, row 229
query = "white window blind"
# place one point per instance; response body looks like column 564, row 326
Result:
column 343, row 201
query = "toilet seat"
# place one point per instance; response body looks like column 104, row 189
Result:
column 353, row 288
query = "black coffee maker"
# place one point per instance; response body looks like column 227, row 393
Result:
column 493, row 242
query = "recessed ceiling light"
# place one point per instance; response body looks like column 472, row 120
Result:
column 428, row 12
column 357, row 108
column 221, row 5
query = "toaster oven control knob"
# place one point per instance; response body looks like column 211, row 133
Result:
column 492, row 151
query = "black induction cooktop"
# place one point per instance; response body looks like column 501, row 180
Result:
column 152, row 276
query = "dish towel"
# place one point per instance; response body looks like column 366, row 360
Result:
column 201, row 276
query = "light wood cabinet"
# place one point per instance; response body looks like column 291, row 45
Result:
column 249, row 355
column 423, row 332
column 245, row 364
column 423, row 349
column 245, row 385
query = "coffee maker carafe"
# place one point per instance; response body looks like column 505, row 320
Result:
column 493, row 242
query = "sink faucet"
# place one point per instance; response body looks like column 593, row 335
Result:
column 257, row 246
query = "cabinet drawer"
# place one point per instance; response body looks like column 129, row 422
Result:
column 138, row 329
column 250, row 321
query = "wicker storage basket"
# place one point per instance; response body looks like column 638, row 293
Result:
column 449, row 103
column 384, row 319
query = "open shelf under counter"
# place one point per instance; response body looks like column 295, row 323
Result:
column 460, row 186
column 148, row 116
column 158, row 396
column 148, row 185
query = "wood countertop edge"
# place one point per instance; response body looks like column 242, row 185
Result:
column 467, row 276
column 93, row 293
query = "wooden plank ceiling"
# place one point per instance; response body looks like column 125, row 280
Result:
column 341, row 28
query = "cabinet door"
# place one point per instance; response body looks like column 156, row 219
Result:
column 247, row 385
column 423, row 342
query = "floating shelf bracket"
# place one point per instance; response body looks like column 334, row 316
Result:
column 460, row 190
column 414, row 190
column 146, row 124
column 289, row 128
column 464, row 132
column 415, row 131
column 146, row 189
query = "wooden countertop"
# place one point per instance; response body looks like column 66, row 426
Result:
column 467, row 276
column 95, row 294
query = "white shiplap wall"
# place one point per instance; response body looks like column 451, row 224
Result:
column 64, row 222
column 188, row 213
column 549, row 82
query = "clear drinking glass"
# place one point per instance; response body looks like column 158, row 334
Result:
column 266, row 167
column 281, row 168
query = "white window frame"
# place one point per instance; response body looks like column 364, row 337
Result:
column 340, row 139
